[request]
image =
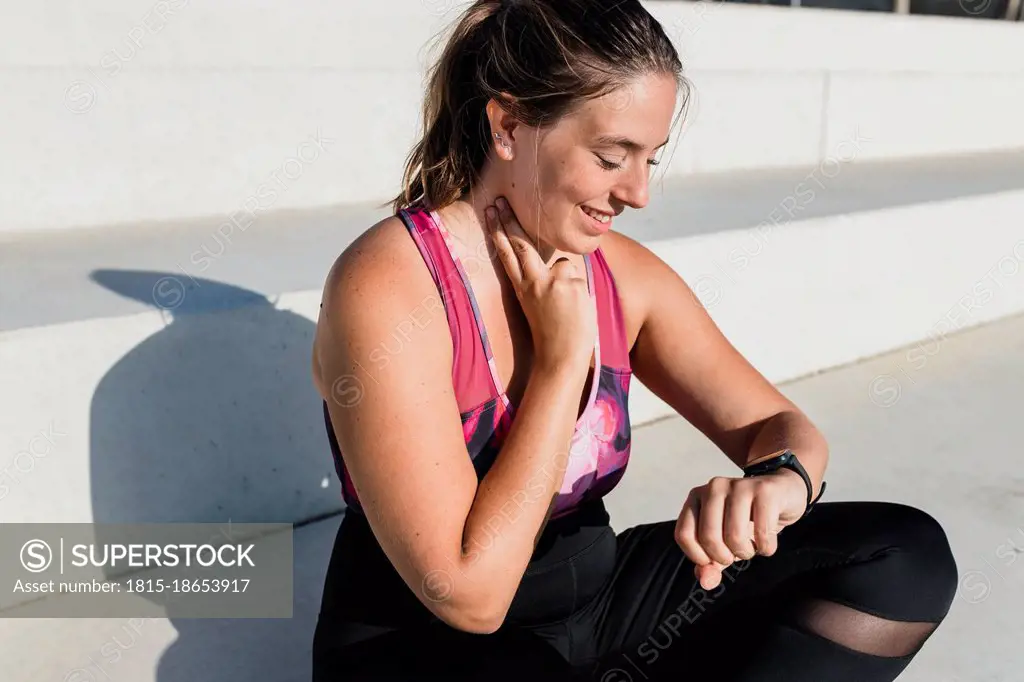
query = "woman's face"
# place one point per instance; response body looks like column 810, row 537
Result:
column 569, row 181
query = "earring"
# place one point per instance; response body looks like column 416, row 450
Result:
column 504, row 144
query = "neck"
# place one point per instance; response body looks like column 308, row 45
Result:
column 494, row 182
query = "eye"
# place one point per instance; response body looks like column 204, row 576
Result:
column 653, row 162
column 606, row 164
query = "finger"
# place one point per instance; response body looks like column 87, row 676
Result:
column 765, row 514
column 737, row 532
column 530, row 263
column 686, row 531
column 712, row 518
column 563, row 268
column 506, row 254
column 710, row 576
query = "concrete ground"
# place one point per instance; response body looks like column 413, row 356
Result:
column 939, row 434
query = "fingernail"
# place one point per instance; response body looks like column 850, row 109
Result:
column 502, row 203
column 489, row 211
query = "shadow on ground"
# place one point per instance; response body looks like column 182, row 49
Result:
column 215, row 418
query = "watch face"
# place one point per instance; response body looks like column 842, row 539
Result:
column 769, row 465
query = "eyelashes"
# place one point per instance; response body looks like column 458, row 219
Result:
column 611, row 165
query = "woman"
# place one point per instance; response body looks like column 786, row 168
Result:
column 475, row 352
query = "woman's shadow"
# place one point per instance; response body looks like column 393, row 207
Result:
column 214, row 418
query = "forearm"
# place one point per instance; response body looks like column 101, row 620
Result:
column 792, row 430
column 516, row 495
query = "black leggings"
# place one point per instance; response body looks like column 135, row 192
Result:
column 851, row 595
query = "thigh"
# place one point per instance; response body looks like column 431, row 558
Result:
column 653, row 608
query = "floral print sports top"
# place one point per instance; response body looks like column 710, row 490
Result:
column 600, row 445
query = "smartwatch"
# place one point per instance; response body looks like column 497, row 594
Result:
column 786, row 460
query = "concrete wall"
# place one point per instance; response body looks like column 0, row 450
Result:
column 133, row 111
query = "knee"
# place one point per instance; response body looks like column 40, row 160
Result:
column 923, row 559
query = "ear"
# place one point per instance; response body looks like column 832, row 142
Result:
column 502, row 123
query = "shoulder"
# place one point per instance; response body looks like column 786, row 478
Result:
column 383, row 248
column 382, row 264
column 639, row 274
column 629, row 259
column 378, row 284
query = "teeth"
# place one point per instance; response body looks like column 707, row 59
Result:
column 601, row 218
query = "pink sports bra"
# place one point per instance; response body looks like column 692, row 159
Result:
column 600, row 445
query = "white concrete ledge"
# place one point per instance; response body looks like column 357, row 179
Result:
column 801, row 297
column 117, row 113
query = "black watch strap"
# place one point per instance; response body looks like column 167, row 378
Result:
column 786, row 460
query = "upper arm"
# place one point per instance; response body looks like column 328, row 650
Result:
column 382, row 361
column 682, row 356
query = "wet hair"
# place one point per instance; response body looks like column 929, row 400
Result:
column 548, row 56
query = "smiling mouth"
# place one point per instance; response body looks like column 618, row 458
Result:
column 599, row 216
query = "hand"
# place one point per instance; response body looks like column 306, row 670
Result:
column 737, row 518
column 555, row 300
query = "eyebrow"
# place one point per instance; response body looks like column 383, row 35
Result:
column 625, row 142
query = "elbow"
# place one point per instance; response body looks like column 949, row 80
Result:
column 477, row 623
column 470, row 598
column 477, row 616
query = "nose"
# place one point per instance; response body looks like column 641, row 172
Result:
column 634, row 188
